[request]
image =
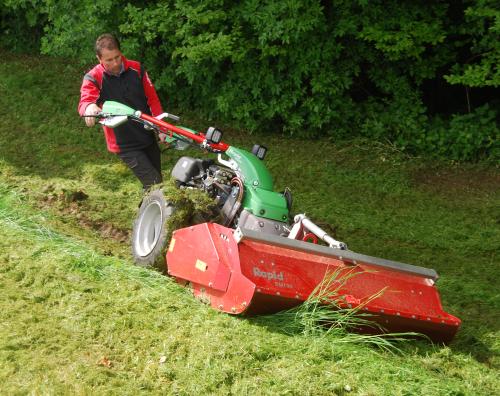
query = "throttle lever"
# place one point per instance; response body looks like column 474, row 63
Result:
column 168, row 115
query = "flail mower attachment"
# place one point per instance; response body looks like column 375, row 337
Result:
column 247, row 272
column 254, row 260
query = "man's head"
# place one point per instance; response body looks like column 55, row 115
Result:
column 107, row 49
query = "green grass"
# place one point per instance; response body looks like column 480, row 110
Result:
column 77, row 317
column 315, row 317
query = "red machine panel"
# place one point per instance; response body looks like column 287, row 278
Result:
column 246, row 272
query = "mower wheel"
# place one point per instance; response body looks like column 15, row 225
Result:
column 150, row 233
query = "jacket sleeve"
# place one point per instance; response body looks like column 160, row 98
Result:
column 150, row 91
column 89, row 93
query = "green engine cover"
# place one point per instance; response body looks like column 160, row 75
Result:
column 117, row 108
column 259, row 198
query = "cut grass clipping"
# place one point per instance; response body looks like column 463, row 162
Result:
column 192, row 206
column 326, row 314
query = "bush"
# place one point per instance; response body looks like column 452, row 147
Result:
column 308, row 68
column 464, row 137
column 21, row 24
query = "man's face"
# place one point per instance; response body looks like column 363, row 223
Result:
column 111, row 60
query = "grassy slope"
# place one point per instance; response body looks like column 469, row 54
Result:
column 71, row 297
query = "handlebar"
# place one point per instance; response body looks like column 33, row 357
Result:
column 199, row 138
column 113, row 120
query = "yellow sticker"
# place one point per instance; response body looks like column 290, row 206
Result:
column 201, row 265
column 171, row 246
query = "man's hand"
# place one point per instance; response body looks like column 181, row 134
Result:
column 92, row 109
column 162, row 136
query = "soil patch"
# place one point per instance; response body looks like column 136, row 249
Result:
column 71, row 203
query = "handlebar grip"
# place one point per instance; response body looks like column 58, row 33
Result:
column 168, row 115
column 99, row 115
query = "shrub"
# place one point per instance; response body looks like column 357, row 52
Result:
column 308, row 68
column 464, row 137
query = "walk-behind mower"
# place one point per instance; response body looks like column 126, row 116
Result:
column 252, row 256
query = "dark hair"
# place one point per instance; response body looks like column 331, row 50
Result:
column 108, row 41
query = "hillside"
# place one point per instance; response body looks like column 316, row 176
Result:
column 78, row 318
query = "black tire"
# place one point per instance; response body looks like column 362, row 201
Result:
column 150, row 234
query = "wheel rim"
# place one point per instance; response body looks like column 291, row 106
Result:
column 149, row 229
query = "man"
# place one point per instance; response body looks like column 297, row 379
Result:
column 119, row 79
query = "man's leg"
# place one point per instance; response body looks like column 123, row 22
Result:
column 143, row 167
column 154, row 154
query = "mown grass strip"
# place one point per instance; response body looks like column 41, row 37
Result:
column 74, row 321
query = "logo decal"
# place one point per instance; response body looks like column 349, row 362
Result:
column 268, row 275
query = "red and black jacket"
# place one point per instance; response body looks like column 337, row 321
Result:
column 131, row 87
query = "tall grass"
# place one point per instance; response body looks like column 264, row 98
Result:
column 80, row 256
column 325, row 313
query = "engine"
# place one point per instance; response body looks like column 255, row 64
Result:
column 226, row 188
column 219, row 182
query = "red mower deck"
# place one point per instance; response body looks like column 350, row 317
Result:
column 247, row 272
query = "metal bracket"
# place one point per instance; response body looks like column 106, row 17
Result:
column 301, row 221
column 238, row 235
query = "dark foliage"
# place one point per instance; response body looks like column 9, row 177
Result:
column 421, row 75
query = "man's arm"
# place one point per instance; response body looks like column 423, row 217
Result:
column 89, row 94
column 150, row 91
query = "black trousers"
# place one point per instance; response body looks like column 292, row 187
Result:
column 145, row 163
